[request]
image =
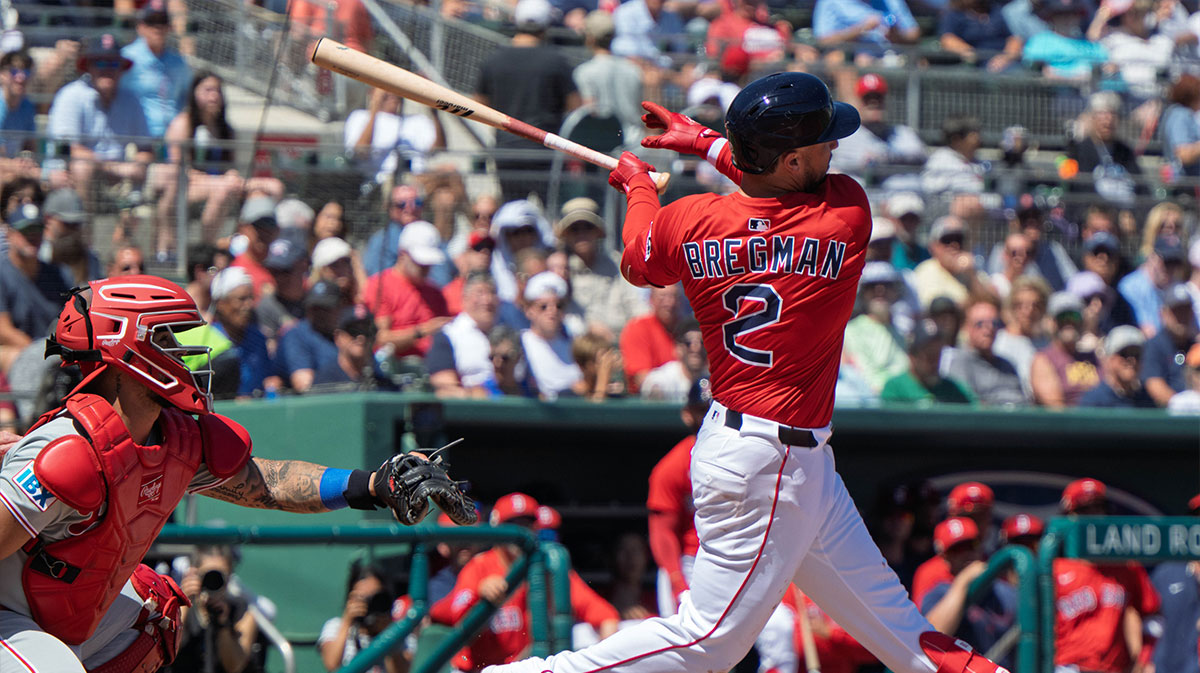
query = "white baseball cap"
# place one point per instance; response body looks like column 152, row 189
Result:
column 328, row 251
column 882, row 229
column 903, row 203
column 229, row 279
column 532, row 14
column 544, row 283
column 422, row 242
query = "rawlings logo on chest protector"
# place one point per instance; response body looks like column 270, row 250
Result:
column 150, row 491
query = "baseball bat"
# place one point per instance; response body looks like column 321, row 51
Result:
column 811, row 662
column 339, row 58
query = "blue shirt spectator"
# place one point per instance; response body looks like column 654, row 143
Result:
column 1143, row 286
column 31, row 291
column 16, row 110
column 78, row 115
column 383, row 248
column 831, row 17
column 1163, row 359
column 303, row 347
column 254, row 360
column 984, row 31
column 645, row 28
column 983, row 623
column 1177, row 585
column 160, row 81
column 1180, row 129
column 1022, row 20
column 1062, row 56
column 1103, row 396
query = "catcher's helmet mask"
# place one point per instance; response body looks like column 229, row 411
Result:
column 782, row 112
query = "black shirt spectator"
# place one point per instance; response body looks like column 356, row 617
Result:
column 355, row 365
column 977, row 31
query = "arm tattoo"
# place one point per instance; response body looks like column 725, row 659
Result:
column 289, row 485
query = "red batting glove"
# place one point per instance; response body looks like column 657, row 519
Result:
column 631, row 171
column 683, row 134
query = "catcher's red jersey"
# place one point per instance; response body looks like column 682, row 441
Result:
column 772, row 282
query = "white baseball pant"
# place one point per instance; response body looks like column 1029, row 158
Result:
column 26, row 648
column 767, row 514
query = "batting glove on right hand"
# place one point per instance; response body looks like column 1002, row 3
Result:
column 630, row 170
column 406, row 483
column 683, row 134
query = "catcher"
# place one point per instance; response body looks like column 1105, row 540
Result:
column 88, row 488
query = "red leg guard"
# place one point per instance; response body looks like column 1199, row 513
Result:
column 155, row 646
column 955, row 656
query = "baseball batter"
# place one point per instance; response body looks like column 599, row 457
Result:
column 88, row 488
column 771, row 272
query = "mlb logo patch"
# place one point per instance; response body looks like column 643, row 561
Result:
column 28, row 482
column 758, row 224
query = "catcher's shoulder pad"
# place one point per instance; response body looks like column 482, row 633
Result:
column 227, row 445
column 70, row 469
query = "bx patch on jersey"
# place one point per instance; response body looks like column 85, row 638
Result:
column 758, row 224
column 28, row 482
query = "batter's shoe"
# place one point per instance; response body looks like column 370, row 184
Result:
column 952, row 655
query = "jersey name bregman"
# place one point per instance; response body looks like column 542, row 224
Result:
column 718, row 258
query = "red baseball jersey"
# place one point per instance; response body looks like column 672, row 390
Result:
column 772, row 282
column 507, row 634
column 671, row 493
column 1090, row 602
column 928, row 575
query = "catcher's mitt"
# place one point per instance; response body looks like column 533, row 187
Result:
column 405, row 483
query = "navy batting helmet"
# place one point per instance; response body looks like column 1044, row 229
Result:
column 781, row 112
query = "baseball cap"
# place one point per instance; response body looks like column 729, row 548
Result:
column 329, row 250
column 924, row 332
column 478, row 240
column 154, row 12
column 227, row 280
column 103, row 48
column 532, row 14
column 599, row 26
column 544, row 283
column 953, row 531
column 878, row 272
column 283, row 254
column 700, row 393
column 1102, row 240
column 1122, row 337
column 64, row 203
column 905, row 203
column 323, row 293
column 944, row 226
column 1176, row 294
column 1192, row 359
column 1194, row 253
column 882, row 229
column 735, row 60
column 1170, row 248
column 871, row 83
column 968, row 497
column 356, row 321
column 1081, row 493
column 25, row 218
column 1104, row 101
column 1087, row 284
column 259, row 211
column 513, row 506
column 515, row 214
column 579, row 209
column 422, row 242
column 1063, row 302
column 942, row 304
column 548, row 518
column 1021, row 525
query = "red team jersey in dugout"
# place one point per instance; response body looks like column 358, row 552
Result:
column 772, row 282
column 1090, row 602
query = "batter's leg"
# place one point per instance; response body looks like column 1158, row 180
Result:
column 847, row 576
column 25, row 648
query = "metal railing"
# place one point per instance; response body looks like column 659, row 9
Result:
column 1022, row 561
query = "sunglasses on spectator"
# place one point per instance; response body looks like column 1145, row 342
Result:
column 107, row 63
column 527, row 229
column 502, row 357
column 485, row 215
column 1017, row 252
column 951, row 239
column 412, row 203
column 985, row 323
column 1133, row 353
column 18, row 72
column 545, row 305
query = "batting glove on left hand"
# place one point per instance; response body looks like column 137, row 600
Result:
column 683, row 134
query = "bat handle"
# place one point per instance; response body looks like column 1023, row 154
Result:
column 660, row 180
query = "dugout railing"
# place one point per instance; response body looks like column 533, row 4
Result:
column 545, row 565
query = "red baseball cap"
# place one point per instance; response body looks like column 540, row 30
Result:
column 480, row 238
column 953, row 531
column 871, row 83
column 1081, row 493
column 1194, row 505
column 1021, row 525
column 968, row 497
column 548, row 518
column 735, row 60
column 513, row 506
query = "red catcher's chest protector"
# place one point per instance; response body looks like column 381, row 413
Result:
column 130, row 490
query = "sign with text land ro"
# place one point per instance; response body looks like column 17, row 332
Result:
column 1132, row 538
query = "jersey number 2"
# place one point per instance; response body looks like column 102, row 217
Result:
column 769, row 305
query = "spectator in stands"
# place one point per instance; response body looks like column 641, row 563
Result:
column 600, row 362
column 355, row 366
column 907, row 209
column 477, row 258
column 1102, row 256
column 458, row 361
column 1061, row 372
column 1016, row 263
column 873, row 344
column 1120, row 374
column 1048, row 259
column 330, row 222
column 126, row 260
column 234, row 334
column 307, row 345
column 1022, row 18
column 748, row 27
column 1102, row 635
column 948, row 317
column 1166, row 351
column 404, row 207
column 922, row 383
column 1143, row 287
column 991, row 378
column 201, row 269
column 295, row 219
column 645, row 29
column 957, row 540
column 333, row 260
column 17, row 116
column 257, row 223
column 507, row 636
column 349, row 16
column 1188, row 401
column 1176, row 583
column 1109, row 161
column 516, row 226
column 159, row 77
column 1138, row 51
column 31, row 290
column 408, row 308
column 65, row 238
column 877, row 141
column 871, row 26
column 367, row 612
column 97, row 120
column 950, row 272
column 1164, row 219
column 1193, row 282
column 596, row 281
column 532, row 82
column 545, row 343
column 278, row 311
column 384, row 142
column 954, row 167
column 671, row 380
column 1181, row 129
column 611, row 84
column 1024, row 333
column 512, row 372
column 218, row 631
column 1064, row 52
column 968, row 27
column 1101, row 308
column 646, row 341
